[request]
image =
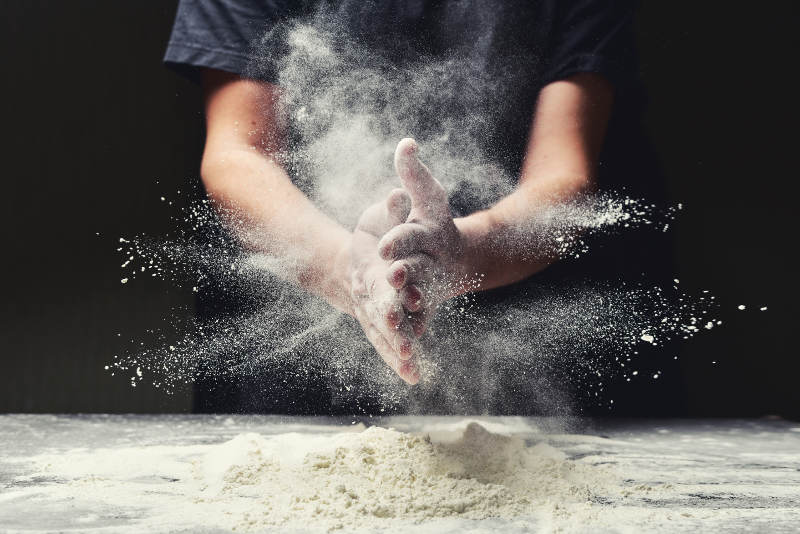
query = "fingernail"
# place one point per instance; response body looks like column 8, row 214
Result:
column 400, row 276
column 415, row 294
column 413, row 373
column 410, row 372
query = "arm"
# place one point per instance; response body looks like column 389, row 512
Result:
column 564, row 144
column 498, row 244
column 241, row 175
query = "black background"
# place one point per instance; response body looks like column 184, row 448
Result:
column 95, row 130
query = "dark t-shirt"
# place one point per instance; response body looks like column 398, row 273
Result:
column 570, row 37
column 520, row 44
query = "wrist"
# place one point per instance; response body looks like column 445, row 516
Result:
column 470, row 269
column 338, row 280
column 325, row 271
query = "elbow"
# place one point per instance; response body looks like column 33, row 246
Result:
column 210, row 167
column 210, row 176
column 215, row 169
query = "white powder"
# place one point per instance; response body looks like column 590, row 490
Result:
column 174, row 475
column 373, row 477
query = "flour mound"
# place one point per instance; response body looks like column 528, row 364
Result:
column 372, row 477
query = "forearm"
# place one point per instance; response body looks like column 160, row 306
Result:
column 509, row 242
column 268, row 214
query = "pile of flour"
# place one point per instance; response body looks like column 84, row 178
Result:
column 168, row 475
column 378, row 475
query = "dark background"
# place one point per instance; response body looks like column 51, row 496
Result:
column 96, row 130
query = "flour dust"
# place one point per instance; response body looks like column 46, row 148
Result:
column 346, row 104
column 479, row 357
column 338, row 478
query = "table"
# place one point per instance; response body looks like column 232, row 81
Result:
column 719, row 475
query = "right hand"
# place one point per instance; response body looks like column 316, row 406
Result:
column 427, row 252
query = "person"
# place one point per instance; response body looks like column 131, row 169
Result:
column 408, row 253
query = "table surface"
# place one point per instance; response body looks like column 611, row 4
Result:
column 724, row 475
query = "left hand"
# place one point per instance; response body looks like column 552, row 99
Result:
column 375, row 303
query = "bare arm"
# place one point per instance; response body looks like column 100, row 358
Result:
column 565, row 142
column 243, row 176
column 240, row 173
column 498, row 244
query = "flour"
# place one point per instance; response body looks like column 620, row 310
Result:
column 379, row 475
column 348, row 105
column 168, row 474
column 332, row 478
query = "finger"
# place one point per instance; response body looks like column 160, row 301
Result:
column 427, row 194
column 419, row 321
column 398, row 205
column 385, row 311
column 377, row 340
column 371, row 219
column 404, row 240
column 382, row 216
column 407, row 370
column 410, row 270
column 385, row 351
column 391, row 321
column 411, row 297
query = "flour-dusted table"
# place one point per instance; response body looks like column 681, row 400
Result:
column 712, row 475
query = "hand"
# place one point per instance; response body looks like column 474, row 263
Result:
column 375, row 303
column 427, row 251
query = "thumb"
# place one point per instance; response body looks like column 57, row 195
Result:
column 427, row 194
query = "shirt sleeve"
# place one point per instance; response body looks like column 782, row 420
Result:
column 594, row 36
column 218, row 34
